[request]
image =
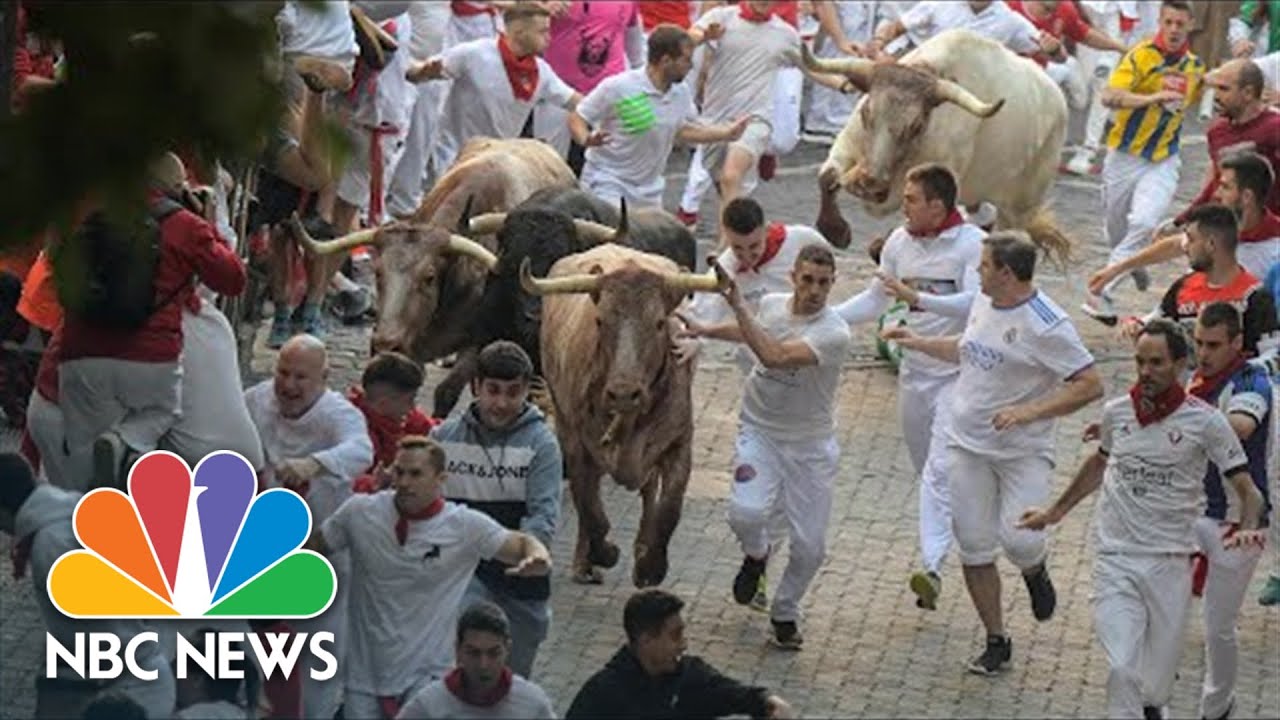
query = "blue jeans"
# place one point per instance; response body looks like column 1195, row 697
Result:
column 529, row 621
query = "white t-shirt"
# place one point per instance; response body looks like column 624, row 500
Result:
column 946, row 267
column 744, row 63
column 1153, row 487
column 642, row 124
column 404, row 598
column 773, row 276
column 996, row 22
column 797, row 403
column 321, row 29
column 524, row 700
column 429, row 22
column 481, row 101
column 1009, row 356
column 386, row 99
column 1270, row 66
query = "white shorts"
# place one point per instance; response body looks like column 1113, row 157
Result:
column 988, row 495
column 755, row 141
column 355, row 184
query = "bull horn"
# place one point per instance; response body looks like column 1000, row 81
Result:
column 947, row 91
column 486, row 224
column 593, row 231
column 555, row 286
column 624, row 225
column 329, row 247
column 709, row 281
column 464, row 220
column 466, row 246
column 858, row 70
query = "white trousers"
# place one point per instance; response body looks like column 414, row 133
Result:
column 47, row 428
column 1140, row 608
column 922, row 404
column 988, row 495
column 1098, row 65
column 214, row 416
column 322, row 698
column 408, row 182
column 365, row 706
column 796, row 477
column 139, row 400
column 788, row 87
column 828, row 110
column 355, row 185
column 1136, row 194
column 1225, row 586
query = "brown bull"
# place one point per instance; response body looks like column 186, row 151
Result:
column 430, row 277
column 623, row 403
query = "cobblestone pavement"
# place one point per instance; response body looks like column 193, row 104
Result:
column 869, row 651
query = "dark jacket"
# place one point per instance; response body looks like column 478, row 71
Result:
column 695, row 690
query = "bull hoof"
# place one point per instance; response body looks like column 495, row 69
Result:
column 605, row 555
column 649, row 572
column 590, row 576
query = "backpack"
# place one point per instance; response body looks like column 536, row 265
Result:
column 105, row 272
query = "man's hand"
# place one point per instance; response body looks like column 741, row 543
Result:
column 596, row 139
column 692, row 328
column 297, row 473
column 777, row 708
column 1243, row 48
column 426, row 70
column 1033, row 518
column 1130, row 327
column 730, row 289
column 1012, row 417
column 900, row 334
column 739, row 126
column 685, row 349
column 535, row 565
column 1165, row 96
column 1100, row 279
column 1051, row 45
column 557, row 8
column 898, row 289
column 849, row 47
column 1092, row 432
column 1246, row 539
column 714, row 31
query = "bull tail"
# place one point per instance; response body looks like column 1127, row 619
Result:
column 1044, row 232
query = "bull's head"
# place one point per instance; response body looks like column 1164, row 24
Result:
column 413, row 266
column 894, row 114
column 633, row 310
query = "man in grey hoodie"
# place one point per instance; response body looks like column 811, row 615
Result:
column 504, row 461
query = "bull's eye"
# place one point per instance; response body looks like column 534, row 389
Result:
column 661, row 325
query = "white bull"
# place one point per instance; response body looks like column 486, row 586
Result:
column 994, row 118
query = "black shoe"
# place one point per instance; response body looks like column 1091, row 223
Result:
column 1141, row 279
column 786, row 635
column 1151, row 712
column 748, row 579
column 1044, row 599
column 995, row 658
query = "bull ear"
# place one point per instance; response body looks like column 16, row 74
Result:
column 464, row 222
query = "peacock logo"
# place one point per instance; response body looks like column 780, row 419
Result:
column 184, row 544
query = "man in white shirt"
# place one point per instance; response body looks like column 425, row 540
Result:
column 931, row 264
column 786, row 451
column 496, row 83
column 413, row 554
column 482, row 686
column 1022, row 365
column 637, row 116
column 989, row 19
column 409, row 179
column 847, row 30
column 315, row 443
column 1156, row 445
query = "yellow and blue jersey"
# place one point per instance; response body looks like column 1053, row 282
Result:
column 1153, row 132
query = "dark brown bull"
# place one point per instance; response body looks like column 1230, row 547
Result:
column 623, row 403
column 430, row 276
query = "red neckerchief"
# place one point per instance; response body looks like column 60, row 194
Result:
column 1154, row 410
column 952, row 220
column 20, row 554
column 426, row 513
column 384, row 431
column 522, row 73
column 453, row 681
column 1206, row 386
column 1168, row 52
column 750, row 15
column 773, row 239
column 466, row 9
column 1266, row 229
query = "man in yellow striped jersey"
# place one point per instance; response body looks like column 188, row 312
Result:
column 1148, row 93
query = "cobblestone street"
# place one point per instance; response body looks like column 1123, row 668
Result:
column 869, row 652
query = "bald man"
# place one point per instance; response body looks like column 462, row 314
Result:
column 315, row 443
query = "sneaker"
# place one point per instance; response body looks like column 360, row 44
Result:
column 1151, row 712
column 786, row 635
column 927, row 586
column 995, row 658
column 985, row 216
column 110, row 454
column 747, row 582
column 1270, row 592
column 281, row 331
column 690, row 219
column 767, row 167
column 1100, row 308
column 1082, row 163
column 311, row 321
column 760, row 601
column 1044, row 599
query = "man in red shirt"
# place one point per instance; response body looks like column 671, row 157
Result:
column 656, row 12
column 120, row 390
column 385, row 396
column 1061, row 20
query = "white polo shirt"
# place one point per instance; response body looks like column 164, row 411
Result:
column 797, row 404
column 642, row 123
column 1153, row 487
column 996, row 22
column 404, row 598
column 744, row 63
column 481, row 102
column 1009, row 356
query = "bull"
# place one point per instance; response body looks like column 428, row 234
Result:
column 623, row 403
column 929, row 107
column 430, row 275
